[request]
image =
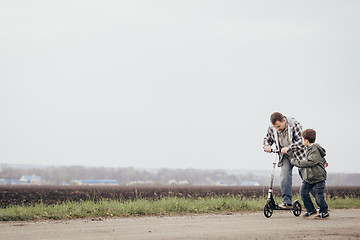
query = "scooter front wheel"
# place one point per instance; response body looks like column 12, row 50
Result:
column 296, row 208
column 268, row 211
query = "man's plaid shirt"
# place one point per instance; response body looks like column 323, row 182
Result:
column 296, row 145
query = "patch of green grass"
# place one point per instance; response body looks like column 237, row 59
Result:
column 344, row 203
column 144, row 207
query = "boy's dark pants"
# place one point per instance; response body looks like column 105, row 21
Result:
column 319, row 196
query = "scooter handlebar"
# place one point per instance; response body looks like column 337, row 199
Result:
column 274, row 151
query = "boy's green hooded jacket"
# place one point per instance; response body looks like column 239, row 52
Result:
column 313, row 169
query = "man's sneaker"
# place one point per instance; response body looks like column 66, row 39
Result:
column 308, row 214
column 322, row 216
column 286, row 205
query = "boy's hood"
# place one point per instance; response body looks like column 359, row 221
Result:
column 321, row 149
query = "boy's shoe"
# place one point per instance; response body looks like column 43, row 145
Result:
column 322, row 216
column 286, row 205
column 308, row 214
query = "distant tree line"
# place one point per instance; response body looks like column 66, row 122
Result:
column 125, row 176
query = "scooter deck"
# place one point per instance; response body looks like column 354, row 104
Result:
column 277, row 207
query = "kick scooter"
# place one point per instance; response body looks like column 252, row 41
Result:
column 270, row 205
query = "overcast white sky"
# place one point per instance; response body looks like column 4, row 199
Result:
column 175, row 84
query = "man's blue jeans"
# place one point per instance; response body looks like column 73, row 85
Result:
column 286, row 180
column 319, row 196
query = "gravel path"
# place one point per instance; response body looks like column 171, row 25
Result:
column 343, row 224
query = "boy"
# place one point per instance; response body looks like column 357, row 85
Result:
column 314, row 175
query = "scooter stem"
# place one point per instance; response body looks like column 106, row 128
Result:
column 273, row 171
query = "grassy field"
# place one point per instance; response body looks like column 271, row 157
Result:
column 143, row 207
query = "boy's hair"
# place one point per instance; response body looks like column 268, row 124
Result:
column 276, row 116
column 309, row 134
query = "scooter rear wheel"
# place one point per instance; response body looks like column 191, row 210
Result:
column 268, row 211
column 296, row 208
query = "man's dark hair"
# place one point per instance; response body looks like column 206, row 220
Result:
column 309, row 134
column 276, row 116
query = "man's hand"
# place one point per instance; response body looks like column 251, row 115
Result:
column 267, row 149
column 284, row 150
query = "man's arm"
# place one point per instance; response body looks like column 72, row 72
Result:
column 297, row 140
column 268, row 140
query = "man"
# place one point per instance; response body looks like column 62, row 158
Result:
column 285, row 134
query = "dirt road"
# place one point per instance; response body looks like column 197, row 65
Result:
column 343, row 224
